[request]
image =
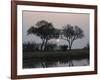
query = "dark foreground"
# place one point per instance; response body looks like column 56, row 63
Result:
column 55, row 59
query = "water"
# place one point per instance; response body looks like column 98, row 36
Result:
column 55, row 59
column 31, row 63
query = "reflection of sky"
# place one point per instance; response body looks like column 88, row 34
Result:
column 58, row 20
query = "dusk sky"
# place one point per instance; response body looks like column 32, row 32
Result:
column 30, row 18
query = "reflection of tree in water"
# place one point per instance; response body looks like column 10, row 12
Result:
column 45, row 62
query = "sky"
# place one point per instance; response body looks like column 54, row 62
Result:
column 59, row 20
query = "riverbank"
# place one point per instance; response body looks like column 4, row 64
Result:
column 78, row 54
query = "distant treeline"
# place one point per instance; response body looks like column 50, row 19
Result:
column 31, row 47
column 49, row 47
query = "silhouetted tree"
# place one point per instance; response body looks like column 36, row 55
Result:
column 45, row 31
column 72, row 33
column 87, row 46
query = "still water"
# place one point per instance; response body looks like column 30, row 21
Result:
column 31, row 63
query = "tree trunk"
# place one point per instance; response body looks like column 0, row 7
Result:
column 42, row 44
column 70, row 45
column 70, row 48
column 45, row 47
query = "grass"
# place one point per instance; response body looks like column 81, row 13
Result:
column 73, row 54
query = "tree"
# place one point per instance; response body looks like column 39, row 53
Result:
column 72, row 33
column 45, row 31
column 87, row 46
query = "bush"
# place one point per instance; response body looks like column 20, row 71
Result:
column 64, row 47
column 31, row 46
column 50, row 47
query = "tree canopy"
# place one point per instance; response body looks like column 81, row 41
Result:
column 72, row 33
column 45, row 31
